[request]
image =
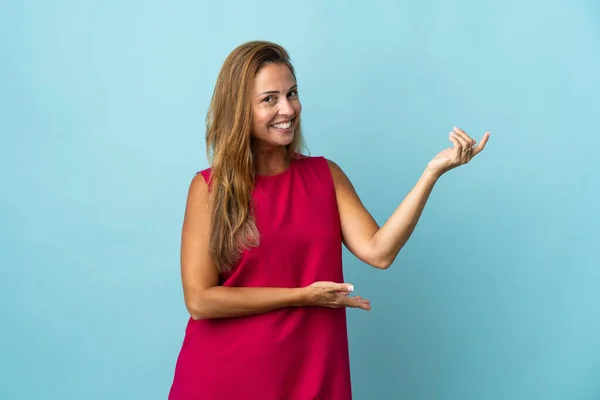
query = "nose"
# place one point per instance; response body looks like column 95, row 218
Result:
column 286, row 109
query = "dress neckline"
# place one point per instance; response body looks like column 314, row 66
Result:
column 277, row 175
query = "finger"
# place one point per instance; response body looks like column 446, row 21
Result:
column 465, row 136
column 359, row 302
column 479, row 148
column 468, row 142
column 457, row 146
column 464, row 146
column 364, row 304
column 463, row 139
column 341, row 287
column 345, row 301
column 360, row 299
column 342, row 300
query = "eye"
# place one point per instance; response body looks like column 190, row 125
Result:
column 293, row 93
column 268, row 99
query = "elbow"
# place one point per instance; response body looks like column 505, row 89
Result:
column 196, row 316
column 196, row 313
column 378, row 262
column 199, row 314
column 197, row 309
column 380, row 255
column 382, row 263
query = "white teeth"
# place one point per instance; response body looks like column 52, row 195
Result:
column 284, row 125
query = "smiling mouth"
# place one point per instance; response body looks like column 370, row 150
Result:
column 283, row 125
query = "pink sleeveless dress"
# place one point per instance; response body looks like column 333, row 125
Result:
column 297, row 353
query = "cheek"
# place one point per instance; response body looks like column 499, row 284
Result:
column 260, row 119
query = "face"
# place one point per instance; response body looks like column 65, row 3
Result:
column 275, row 106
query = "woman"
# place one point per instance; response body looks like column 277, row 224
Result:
column 261, row 253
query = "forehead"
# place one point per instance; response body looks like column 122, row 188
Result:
column 274, row 77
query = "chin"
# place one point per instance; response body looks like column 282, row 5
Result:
column 276, row 138
column 272, row 141
column 281, row 141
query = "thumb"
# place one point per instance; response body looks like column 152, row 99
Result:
column 345, row 287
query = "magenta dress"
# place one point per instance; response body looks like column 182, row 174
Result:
column 297, row 353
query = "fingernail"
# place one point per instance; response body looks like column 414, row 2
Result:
column 350, row 288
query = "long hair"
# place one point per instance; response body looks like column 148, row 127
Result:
column 228, row 147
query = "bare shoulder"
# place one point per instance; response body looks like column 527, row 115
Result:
column 198, row 185
column 197, row 207
column 198, row 192
column 340, row 179
column 333, row 166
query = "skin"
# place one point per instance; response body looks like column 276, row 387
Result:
column 275, row 100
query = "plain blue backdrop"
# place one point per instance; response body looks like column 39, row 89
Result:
column 102, row 106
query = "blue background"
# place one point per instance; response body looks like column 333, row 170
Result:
column 102, row 106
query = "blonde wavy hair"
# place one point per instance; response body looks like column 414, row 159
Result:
column 229, row 151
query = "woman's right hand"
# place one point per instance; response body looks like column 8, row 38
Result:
column 334, row 295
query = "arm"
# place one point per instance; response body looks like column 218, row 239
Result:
column 377, row 246
column 373, row 245
column 204, row 298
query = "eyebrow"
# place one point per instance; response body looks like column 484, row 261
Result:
column 276, row 91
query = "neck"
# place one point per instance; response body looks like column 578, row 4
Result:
column 271, row 161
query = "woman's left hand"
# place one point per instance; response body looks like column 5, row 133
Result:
column 463, row 151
